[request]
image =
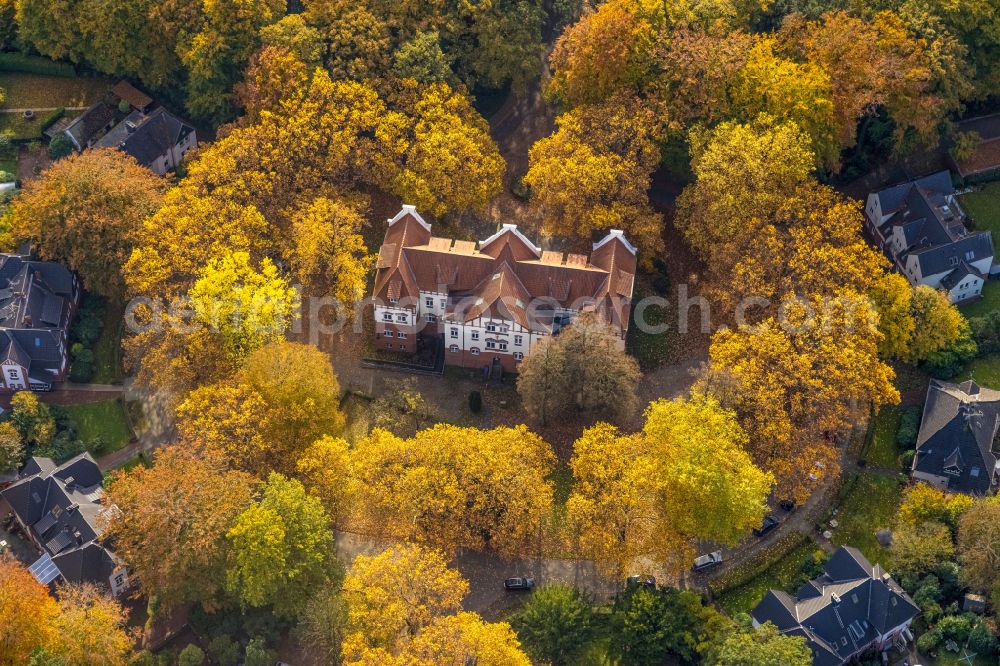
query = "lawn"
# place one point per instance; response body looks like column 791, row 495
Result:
column 8, row 165
column 985, row 370
column 882, row 452
column 23, row 129
column 983, row 207
column 107, row 366
column 870, row 505
column 35, row 91
column 105, row 419
column 778, row 577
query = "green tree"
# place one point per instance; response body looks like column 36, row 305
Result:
column 764, row 646
column 192, row 655
column 282, row 548
column 422, row 60
column 323, row 624
column 555, row 625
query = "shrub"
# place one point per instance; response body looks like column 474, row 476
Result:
column 82, row 370
column 475, row 402
column 929, row 641
column 948, row 362
column 257, row 654
column 909, row 425
column 224, row 650
column 192, row 655
column 60, row 146
column 21, row 62
column 982, row 641
column 52, row 117
column 906, row 459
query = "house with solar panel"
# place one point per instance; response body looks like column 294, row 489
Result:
column 37, row 302
column 491, row 302
column 921, row 228
column 854, row 608
column 58, row 508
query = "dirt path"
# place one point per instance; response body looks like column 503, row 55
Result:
column 44, row 108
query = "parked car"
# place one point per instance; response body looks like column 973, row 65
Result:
column 708, row 561
column 645, row 580
column 770, row 522
column 787, row 504
column 519, row 583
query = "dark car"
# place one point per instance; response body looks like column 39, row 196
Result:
column 708, row 561
column 787, row 504
column 646, row 581
column 770, row 522
column 519, row 583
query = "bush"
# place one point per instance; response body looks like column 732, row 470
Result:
column 60, row 146
column 53, row 117
column 21, row 62
column 948, row 362
column 475, row 402
column 82, row 370
column 192, row 655
column 982, row 641
column 906, row 459
column 257, row 654
column 929, row 641
column 224, row 650
column 909, row 425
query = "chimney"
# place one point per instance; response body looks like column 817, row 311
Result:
column 835, row 598
column 70, row 483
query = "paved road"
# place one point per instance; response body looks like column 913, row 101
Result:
column 486, row 572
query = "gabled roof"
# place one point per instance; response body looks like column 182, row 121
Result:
column 841, row 612
column 411, row 261
column 61, row 505
column 956, row 435
column 135, row 97
column 147, row 137
column 964, row 270
column 88, row 124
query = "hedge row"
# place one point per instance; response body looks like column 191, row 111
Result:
column 52, row 117
column 757, row 564
column 20, row 62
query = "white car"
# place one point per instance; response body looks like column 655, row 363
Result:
column 708, row 561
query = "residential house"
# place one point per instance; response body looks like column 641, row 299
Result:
column 955, row 444
column 59, row 508
column 492, row 303
column 37, row 302
column 853, row 608
column 86, row 129
column 157, row 141
column 923, row 231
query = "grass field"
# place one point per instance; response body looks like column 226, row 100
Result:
column 985, row 370
column 105, row 419
column 983, row 207
column 34, row 91
column 22, row 129
column 8, row 165
column 869, row 506
column 883, row 451
column 742, row 599
column 107, row 369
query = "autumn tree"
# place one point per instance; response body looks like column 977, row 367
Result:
column 282, row 548
column 27, row 613
column 245, row 306
column 686, row 476
column 924, row 503
column 294, row 34
column 232, row 418
column 979, row 547
column 11, row 448
column 937, row 323
column 582, row 369
column 91, row 628
column 798, row 381
column 325, row 469
column 322, row 624
column 917, row 549
column 32, row 419
column 465, row 638
column 84, row 211
column 763, row 646
column 454, row 487
column 330, row 254
column 173, row 519
column 393, row 595
column 594, row 172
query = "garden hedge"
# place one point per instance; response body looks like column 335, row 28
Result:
column 20, row 62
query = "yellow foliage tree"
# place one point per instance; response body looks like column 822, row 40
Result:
column 455, row 487
column 594, row 172
column 937, row 323
column 686, row 476
column 329, row 253
column 91, row 628
column 27, row 613
column 924, row 503
column 325, row 469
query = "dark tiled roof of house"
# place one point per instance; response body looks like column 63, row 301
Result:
column 956, row 276
column 956, row 435
column 841, row 612
column 155, row 137
column 505, row 275
column 89, row 124
column 61, row 505
column 933, row 225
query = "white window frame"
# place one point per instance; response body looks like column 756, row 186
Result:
column 518, row 356
column 432, row 318
column 453, row 349
column 389, row 334
column 475, row 335
column 401, row 335
column 401, row 318
column 429, row 301
column 474, row 351
column 454, row 333
column 386, row 316
column 518, row 340
column 491, row 344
